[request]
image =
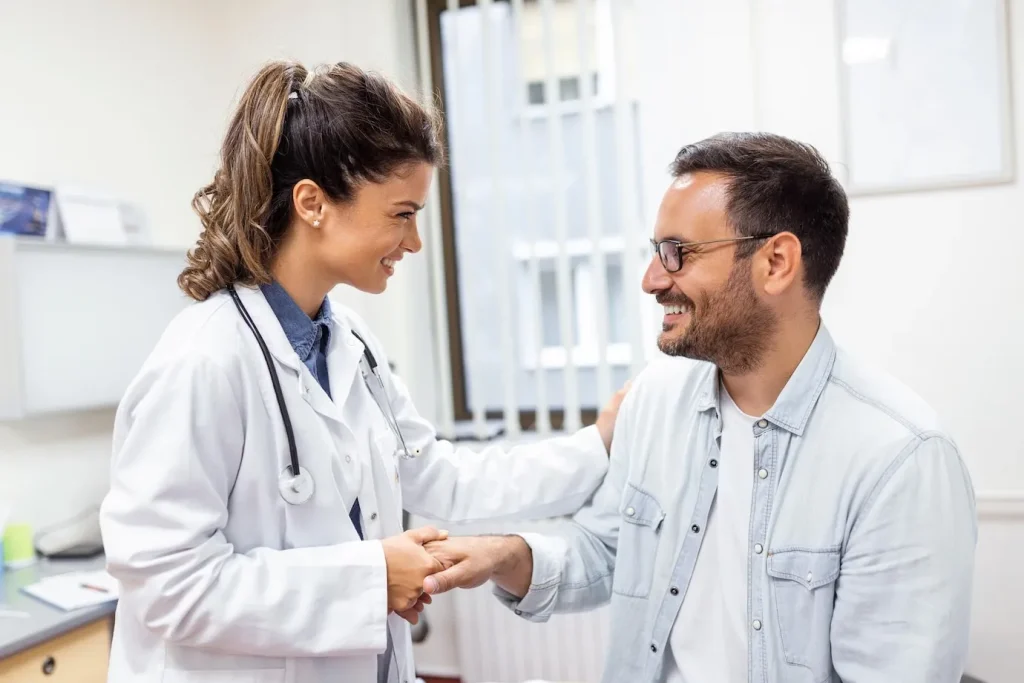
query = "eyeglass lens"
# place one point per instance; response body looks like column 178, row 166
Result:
column 670, row 256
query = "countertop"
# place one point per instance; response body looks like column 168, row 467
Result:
column 18, row 633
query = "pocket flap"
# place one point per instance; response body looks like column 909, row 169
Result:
column 810, row 568
column 640, row 507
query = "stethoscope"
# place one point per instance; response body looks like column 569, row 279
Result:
column 295, row 483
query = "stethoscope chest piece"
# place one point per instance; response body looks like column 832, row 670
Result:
column 295, row 490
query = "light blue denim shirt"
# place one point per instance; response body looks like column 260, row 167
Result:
column 862, row 529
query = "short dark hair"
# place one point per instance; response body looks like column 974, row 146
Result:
column 777, row 185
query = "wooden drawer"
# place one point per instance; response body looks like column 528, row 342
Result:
column 79, row 656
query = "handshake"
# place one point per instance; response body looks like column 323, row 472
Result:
column 424, row 562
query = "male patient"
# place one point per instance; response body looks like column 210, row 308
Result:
column 777, row 511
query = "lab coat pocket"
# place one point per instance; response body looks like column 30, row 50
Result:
column 246, row 676
column 803, row 584
column 190, row 665
column 639, row 533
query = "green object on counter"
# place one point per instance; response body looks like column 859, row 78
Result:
column 19, row 550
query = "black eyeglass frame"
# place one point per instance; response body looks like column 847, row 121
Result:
column 681, row 248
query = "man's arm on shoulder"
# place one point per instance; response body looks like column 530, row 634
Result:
column 902, row 605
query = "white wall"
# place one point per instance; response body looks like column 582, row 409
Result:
column 930, row 282
column 109, row 95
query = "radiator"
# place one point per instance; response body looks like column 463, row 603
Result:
column 495, row 646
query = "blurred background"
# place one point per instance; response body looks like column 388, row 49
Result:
column 524, row 312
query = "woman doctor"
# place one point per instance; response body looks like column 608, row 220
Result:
column 264, row 453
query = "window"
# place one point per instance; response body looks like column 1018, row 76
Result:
column 535, row 92
column 569, row 88
column 508, row 195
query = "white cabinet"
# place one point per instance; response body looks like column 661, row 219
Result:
column 76, row 322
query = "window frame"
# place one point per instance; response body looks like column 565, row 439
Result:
column 461, row 411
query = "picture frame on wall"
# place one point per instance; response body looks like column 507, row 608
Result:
column 925, row 94
column 24, row 210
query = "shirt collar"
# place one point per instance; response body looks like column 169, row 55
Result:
column 302, row 332
column 793, row 407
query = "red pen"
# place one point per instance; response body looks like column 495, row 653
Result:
column 91, row 587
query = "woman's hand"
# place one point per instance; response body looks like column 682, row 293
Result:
column 408, row 564
column 606, row 418
column 412, row 615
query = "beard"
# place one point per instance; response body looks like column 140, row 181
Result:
column 731, row 328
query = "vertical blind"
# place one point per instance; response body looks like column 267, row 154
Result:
column 542, row 141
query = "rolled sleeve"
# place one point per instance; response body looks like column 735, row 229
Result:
column 548, row 558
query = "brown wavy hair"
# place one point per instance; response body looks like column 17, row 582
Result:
column 338, row 126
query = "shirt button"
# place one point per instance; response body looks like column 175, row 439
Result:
column 758, row 548
column 763, row 473
column 654, row 648
column 713, row 463
column 518, row 612
column 630, row 512
column 695, row 529
column 674, row 590
column 373, row 517
column 762, row 424
column 348, row 458
column 756, row 625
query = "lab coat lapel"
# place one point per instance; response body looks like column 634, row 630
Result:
column 283, row 352
column 269, row 327
column 342, row 363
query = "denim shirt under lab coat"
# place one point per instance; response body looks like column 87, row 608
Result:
column 862, row 529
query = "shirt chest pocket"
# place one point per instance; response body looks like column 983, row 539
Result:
column 639, row 533
column 803, row 585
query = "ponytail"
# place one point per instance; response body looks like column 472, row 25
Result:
column 234, row 245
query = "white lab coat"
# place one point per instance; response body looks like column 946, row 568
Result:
column 222, row 580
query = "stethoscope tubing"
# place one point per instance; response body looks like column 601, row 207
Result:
column 293, row 452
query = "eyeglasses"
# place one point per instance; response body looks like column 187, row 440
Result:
column 673, row 252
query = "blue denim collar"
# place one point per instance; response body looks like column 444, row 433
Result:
column 793, row 406
column 298, row 327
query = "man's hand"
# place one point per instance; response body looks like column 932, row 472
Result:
column 471, row 561
column 408, row 564
column 606, row 419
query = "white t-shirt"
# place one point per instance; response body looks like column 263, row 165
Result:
column 709, row 639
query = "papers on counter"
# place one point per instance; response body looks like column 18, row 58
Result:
column 75, row 590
